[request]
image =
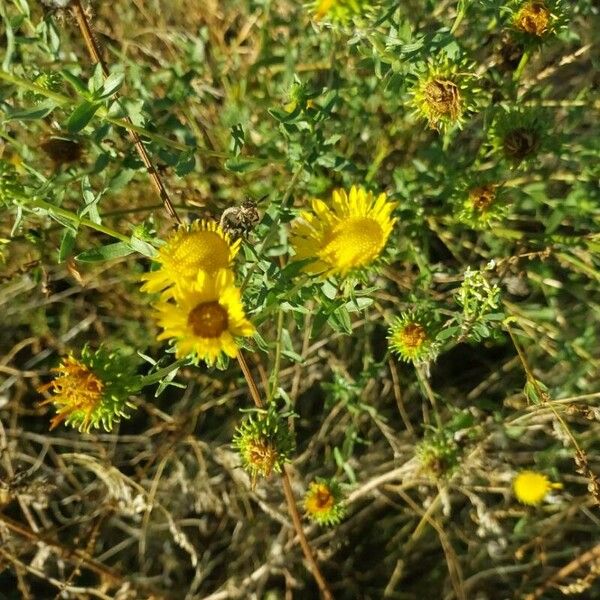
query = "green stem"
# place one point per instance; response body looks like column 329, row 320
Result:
column 73, row 218
column 460, row 15
column 521, row 67
column 277, row 362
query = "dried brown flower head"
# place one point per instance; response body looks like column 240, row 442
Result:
column 533, row 18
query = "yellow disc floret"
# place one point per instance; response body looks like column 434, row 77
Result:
column 76, row 391
column 533, row 18
column 201, row 247
column 322, row 502
column 204, row 317
column 348, row 233
column 531, row 487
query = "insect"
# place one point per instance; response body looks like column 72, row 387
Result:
column 238, row 221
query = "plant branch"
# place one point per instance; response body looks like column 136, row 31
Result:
column 289, row 494
column 92, row 46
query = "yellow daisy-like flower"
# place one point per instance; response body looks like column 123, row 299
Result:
column 348, row 233
column 340, row 11
column 205, row 317
column 202, row 247
column 531, row 487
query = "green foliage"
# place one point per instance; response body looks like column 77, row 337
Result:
column 484, row 136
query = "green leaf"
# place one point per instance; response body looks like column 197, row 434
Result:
column 112, row 85
column 241, row 165
column 39, row 111
column 81, row 116
column 77, row 83
column 142, row 247
column 103, row 253
column 66, row 245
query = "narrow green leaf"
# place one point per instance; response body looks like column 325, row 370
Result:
column 81, row 116
column 108, row 252
column 66, row 245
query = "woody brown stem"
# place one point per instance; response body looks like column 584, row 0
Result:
column 92, row 46
column 94, row 52
column 289, row 494
column 76, row 556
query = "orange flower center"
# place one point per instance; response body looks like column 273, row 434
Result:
column 320, row 499
column 208, row 320
column 533, row 18
column 482, row 197
column 75, row 389
column 413, row 335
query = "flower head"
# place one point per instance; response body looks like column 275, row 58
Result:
column 533, row 18
column 443, row 93
column 482, row 204
column 534, row 21
column 201, row 247
column 347, row 234
column 204, row 317
column 338, row 11
column 323, row 502
column 411, row 338
column 519, row 135
column 438, row 454
column 531, row 487
column 93, row 390
column 264, row 443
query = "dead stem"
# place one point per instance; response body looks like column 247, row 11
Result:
column 94, row 52
column 78, row 557
column 289, row 494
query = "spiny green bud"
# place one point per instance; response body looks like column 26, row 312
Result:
column 323, row 502
column 444, row 92
column 93, row 390
column 264, row 443
column 438, row 454
column 412, row 339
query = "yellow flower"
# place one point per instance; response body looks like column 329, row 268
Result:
column 338, row 11
column 322, row 502
column 533, row 18
column 531, row 487
column 76, row 390
column 348, row 233
column 201, row 247
column 205, row 317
